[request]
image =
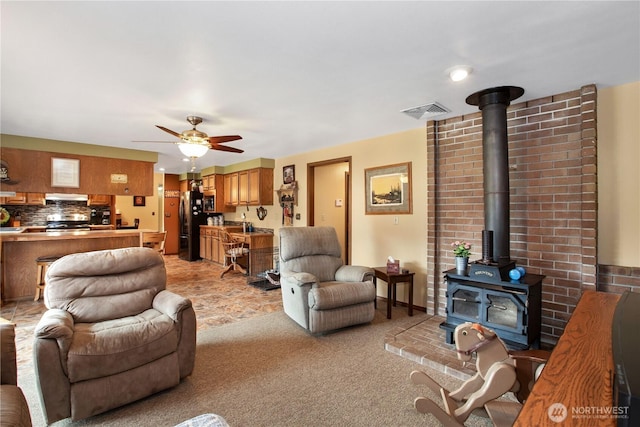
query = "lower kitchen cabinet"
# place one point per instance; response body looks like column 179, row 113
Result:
column 210, row 246
column 260, row 246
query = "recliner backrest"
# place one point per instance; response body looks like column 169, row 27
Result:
column 314, row 250
column 103, row 285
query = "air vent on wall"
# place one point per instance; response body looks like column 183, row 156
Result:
column 426, row 111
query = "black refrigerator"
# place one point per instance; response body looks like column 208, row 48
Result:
column 191, row 218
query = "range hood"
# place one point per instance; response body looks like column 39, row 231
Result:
column 66, row 197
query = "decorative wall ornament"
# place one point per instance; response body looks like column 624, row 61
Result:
column 4, row 174
column 289, row 174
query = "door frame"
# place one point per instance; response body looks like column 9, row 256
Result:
column 347, row 202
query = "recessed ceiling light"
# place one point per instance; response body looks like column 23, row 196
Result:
column 185, row 159
column 459, row 73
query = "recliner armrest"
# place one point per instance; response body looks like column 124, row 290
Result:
column 9, row 369
column 170, row 304
column 354, row 273
column 55, row 324
column 300, row 279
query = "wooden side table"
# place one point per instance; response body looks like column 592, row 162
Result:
column 393, row 279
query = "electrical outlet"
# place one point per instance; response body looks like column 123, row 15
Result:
column 396, row 221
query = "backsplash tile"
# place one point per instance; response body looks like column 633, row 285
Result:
column 37, row 215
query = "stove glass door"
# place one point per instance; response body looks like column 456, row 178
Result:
column 466, row 303
column 501, row 310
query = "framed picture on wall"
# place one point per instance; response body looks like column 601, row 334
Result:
column 138, row 200
column 388, row 189
column 289, row 174
column 65, row 172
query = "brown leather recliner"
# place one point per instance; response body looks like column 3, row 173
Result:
column 112, row 334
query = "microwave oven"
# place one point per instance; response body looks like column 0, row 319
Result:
column 209, row 203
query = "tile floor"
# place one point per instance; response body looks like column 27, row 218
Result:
column 218, row 301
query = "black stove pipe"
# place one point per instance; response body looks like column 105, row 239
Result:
column 493, row 103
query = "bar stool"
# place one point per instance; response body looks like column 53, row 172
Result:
column 43, row 263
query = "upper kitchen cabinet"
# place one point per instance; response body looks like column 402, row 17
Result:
column 31, row 170
column 99, row 200
column 231, row 189
column 253, row 187
column 18, row 199
column 214, row 187
column 23, row 199
column 209, row 182
column 35, row 199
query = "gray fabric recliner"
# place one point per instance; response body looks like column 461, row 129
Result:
column 14, row 410
column 318, row 291
column 112, row 334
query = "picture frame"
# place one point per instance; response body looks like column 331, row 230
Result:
column 388, row 190
column 65, row 172
column 289, row 174
column 139, row 200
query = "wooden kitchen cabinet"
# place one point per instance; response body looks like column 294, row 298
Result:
column 35, row 199
column 209, row 243
column 202, row 243
column 214, row 185
column 18, row 199
column 99, row 200
column 231, row 189
column 205, row 243
column 23, row 199
column 243, row 187
column 253, row 187
column 211, row 247
column 209, row 182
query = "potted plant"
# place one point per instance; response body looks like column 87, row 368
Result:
column 461, row 250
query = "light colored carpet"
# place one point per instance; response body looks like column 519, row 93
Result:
column 267, row 371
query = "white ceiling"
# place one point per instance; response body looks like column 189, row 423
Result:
column 290, row 77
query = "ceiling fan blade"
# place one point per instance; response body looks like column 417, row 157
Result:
column 225, row 148
column 223, row 139
column 176, row 134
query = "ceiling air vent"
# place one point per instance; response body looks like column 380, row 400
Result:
column 426, row 111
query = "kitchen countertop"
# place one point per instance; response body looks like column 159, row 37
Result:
column 251, row 233
column 236, row 229
column 24, row 235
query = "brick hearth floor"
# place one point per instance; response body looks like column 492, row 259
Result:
column 425, row 344
column 219, row 301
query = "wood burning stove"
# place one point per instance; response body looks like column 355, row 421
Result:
column 512, row 308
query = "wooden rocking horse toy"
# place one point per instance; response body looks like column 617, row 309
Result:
column 498, row 371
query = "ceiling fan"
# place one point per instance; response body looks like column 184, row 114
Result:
column 194, row 143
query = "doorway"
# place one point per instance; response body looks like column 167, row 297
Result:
column 329, row 190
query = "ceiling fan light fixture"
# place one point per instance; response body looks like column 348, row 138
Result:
column 194, row 136
column 193, row 150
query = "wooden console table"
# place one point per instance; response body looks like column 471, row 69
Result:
column 580, row 372
column 392, row 280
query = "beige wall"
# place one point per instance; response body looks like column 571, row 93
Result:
column 375, row 237
column 330, row 187
column 618, row 178
column 150, row 215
